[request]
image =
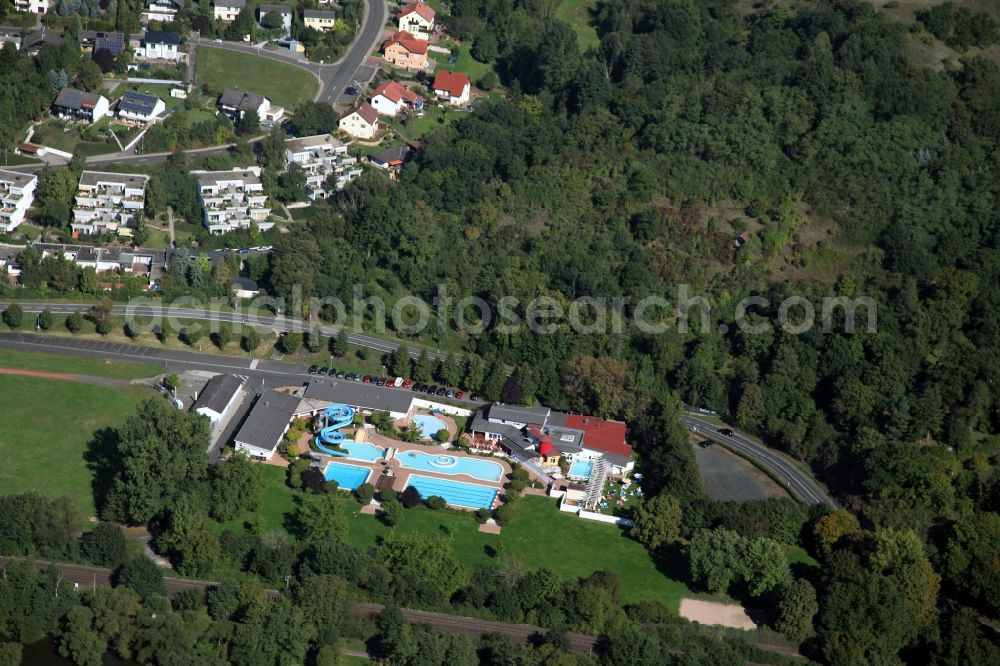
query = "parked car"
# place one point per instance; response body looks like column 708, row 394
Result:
column 216, row 41
column 321, row 371
column 397, row 382
column 728, row 432
column 705, row 443
column 441, row 391
column 407, row 383
column 416, row 387
column 367, row 379
column 459, row 395
column 451, row 394
column 475, row 397
column 351, row 90
column 313, row 369
column 380, row 382
column 340, row 374
column 431, row 390
column 357, row 377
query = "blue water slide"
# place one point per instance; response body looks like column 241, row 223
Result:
column 337, row 417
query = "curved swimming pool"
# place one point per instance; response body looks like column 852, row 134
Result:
column 428, row 425
column 477, row 468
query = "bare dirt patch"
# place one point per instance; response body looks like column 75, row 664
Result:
column 713, row 612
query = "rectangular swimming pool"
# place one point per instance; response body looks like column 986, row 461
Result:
column 581, row 469
column 456, row 493
column 348, row 477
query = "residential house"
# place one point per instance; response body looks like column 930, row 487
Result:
column 404, row 50
column 34, row 41
column 141, row 108
column 107, row 202
column 158, row 45
column 161, row 10
column 16, row 192
column 220, row 395
column 417, row 19
column 244, row 287
column 11, row 36
column 73, row 104
column 360, row 122
column 392, row 97
column 319, row 19
column 321, row 157
column 32, row 6
column 391, row 159
column 452, row 88
column 91, row 40
column 228, row 10
column 284, row 11
column 236, row 104
column 232, row 200
column 146, row 263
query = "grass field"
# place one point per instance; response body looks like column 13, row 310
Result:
column 539, row 534
column 43, row 439
column 10, row 358
column 577, row 14
column 285, row 85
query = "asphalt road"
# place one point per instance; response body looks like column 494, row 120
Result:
column 797, row 481
column 88, row 577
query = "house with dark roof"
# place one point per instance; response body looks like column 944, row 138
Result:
column 360, row 122
column 141, row 108
column 367, row 398
column 244, row 287
column 93, row 40
column 267, row 423
column 218, row 397
column 73, row 104
column 319, row 19
column 159, row 45
column 237, row 103
column 391, row 159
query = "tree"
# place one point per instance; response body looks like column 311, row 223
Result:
column 314, row 340
column 142, row 575
column 237, row 485
column 291, row 342
column 273, row 21
column 442, row 435
column 426, row 559
column 79, row 641
column 248, row 123
column 250, row 341
column 104, row 59
column 104, row 545
column 13, row 315
column 474, row 374
column 161, row 455
column 338, row 344
column 74, row 322
column 222, row 337
column 714, row 556
column 657, row 521
column 830, row 528
column 436, row 502
column 594, row 386
column 423, row 370
column 485, row 47
column 972, row 559
column 320, row 517
column 492, row 387
column 410, row 497
column 400, row 363
column 365, row 492
column 451, row 370
column 190, row 335
column 796, row 609
column 392, row 511
column 189, row 540
column 45, row 319
column 311, row 118
column 512, row 392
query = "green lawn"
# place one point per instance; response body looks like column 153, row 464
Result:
column 10, row 358
column 465, row 63
column 539, row 534
column 285, row 85
column 45, row 430
column 577, row 14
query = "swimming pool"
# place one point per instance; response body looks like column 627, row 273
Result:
column 429, row 425
column 361, row 451
column 581, row 469
column 348, row 477
column 477, row 468
column 468, row 495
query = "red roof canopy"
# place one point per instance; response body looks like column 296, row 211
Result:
column 453, row 83
column 424, row 10
column 407, row 41
column 546, row 448
column 600, row 435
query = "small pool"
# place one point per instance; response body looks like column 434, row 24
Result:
column 429, row 425
column 456, row 493
column 477, row 468
column 581, row 469
column 348, row 477
column 361, row 451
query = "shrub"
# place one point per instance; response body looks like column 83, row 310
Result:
column 364, row 493
column 13, row 315
column 517, row 485
column 503, row 514
column 436, row 502
column 332, row 486
column 104, row 545
column 482, row 515
column 386, row 495
column 313, row 481
column 391, row 511
column 410, row 497
column 142, row 575
column 74, row 322
column 442, row 435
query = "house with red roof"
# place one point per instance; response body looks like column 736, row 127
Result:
column 360, row 122
column 392, row 97
column 452, row 88
column 404, row 50
column 417, row 19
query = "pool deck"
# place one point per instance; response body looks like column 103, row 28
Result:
column 401, row 475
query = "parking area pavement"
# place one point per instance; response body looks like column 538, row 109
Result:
column 729, row 478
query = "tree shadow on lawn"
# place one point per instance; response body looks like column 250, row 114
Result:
column 671, row 561
column 100, row 456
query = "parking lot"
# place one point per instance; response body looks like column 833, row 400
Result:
column 729, row 478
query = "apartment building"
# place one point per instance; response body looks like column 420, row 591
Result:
column 320, row 157
column 16, row 192
column 232, row 200
column 108, row 202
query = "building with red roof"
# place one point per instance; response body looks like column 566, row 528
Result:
column 417, row 19
column 452, row 87
column 391, row 97
column 404, row 50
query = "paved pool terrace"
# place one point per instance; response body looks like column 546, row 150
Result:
column 401, row 475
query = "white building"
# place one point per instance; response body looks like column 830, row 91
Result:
column 32, row 6
column 452, row 88
column 141, row 108
column 73, row 104
column 282, row 10
column 418, row 20
column 159, row 46
column 232, row 200
column 392, row 97
column 16, row 192
column 107, row 202
column 360, row 122
column 218, row 397
column 320, row 157
column 236, row 104
column 319, row 19
column 161, row 10
column 267, row 423
column 228, row 10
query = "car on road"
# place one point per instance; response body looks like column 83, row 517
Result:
column 459, row 395
column 705, row 443
column 216, row 41
column 728, row 432
column 313, row 369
